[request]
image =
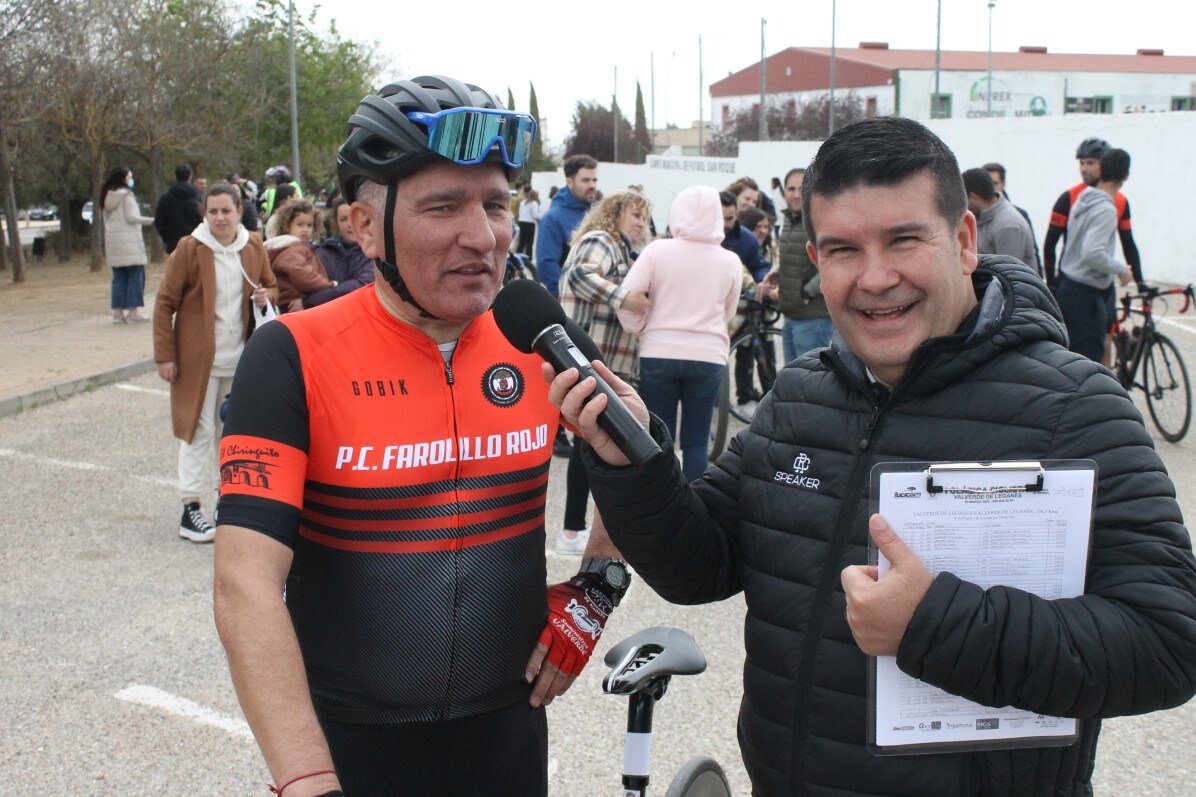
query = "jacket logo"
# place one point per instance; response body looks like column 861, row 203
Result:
column 798, row 478
column 502, row 385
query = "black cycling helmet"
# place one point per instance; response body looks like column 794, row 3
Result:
column 1092, row 148
column 384, row 145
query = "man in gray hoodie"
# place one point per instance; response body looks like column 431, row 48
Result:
column 1085, row 287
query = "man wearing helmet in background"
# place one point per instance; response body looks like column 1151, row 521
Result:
column 1088, row 154
column 380, row 570
column 278, row 175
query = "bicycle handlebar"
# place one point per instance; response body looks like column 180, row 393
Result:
column 1148, row 296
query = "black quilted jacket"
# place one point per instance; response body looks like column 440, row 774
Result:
column 1012, row 391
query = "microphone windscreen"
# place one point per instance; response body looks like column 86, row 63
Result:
column 523, row 309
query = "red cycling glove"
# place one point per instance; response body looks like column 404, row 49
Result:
column 577, row 612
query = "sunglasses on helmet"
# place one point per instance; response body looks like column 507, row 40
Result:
column 466, row 135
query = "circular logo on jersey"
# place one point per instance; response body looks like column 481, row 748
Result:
column 502, row 385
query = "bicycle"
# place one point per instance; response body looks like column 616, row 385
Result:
column 641, row 667
column 1164, row 374
column 759, row 333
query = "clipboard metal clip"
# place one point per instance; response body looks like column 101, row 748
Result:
column 985, row 467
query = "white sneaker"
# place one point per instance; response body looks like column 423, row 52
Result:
column 748, row 408
column 572, row 546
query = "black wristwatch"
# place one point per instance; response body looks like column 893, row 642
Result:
column 612, row 575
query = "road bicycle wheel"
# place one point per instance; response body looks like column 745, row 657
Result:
column 1168, row 392
column 722, row 418
column 700, row 777
column 764, row 367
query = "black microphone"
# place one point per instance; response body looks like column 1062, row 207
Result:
column 532, row 320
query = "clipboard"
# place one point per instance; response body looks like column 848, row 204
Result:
column 1025, row 524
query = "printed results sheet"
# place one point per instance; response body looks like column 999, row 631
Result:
column 1034, row 541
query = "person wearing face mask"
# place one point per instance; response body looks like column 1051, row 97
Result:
column 202, row 319
column 343, row 260
column 124, row 245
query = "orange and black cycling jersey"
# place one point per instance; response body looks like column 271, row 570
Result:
column 412, row 493
column 1062, row 209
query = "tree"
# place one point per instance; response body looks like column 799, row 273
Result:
column 593, row 132
column 22, row 24
column 510, row 99
column 538, row 162
column 642, row 140
column 788, row 122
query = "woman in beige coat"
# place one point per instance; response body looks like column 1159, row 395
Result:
column 124, row 245
column 202, row 319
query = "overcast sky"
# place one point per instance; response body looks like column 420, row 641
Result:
column 570, row 50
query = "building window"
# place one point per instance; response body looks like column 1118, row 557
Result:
column 940, row 106
column 1088, row 105
column 726, row 116
column 1183, row 103
column 870, row 106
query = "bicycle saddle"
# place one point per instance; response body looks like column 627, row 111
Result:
column 648, row 655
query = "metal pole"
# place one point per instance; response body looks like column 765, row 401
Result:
column 701, row 104
column 935, row 111
column 294, row 95
column 614, row 111
column 989, row 102
column 763, row 71
column 652, row 81
column 830, row 124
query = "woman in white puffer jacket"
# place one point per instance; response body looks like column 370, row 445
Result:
column 124, row 245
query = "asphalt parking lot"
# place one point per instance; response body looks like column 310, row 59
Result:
column 114, row 681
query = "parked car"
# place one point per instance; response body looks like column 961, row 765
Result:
column 88, row 211
column 44, row 213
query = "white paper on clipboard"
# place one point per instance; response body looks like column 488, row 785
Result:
column 1019, row 525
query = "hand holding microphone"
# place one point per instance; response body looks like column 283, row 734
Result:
column 597, row 403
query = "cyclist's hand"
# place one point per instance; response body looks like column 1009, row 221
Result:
column 570, row 396
column 577, row 613
column 1125, row 279
column 768, row 291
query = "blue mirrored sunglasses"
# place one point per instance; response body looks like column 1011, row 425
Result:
column 466, row 135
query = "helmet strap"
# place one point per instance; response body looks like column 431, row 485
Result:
column 390, row 271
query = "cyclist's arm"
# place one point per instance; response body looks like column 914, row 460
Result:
column 1055, row 231
column 1128, row 247
column 264, row 658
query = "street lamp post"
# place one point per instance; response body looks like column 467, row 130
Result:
column 830, row 122
column 989, row 106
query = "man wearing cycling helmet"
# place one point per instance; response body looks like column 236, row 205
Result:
column 1088, row 154
column 380, row 571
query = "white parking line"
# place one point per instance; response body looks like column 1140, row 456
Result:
column 63, row 463
column 182, row 707
column 139, row 389
column 1171, row 322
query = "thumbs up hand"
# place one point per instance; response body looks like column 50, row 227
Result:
column 879, row 609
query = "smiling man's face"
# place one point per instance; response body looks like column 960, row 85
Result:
column 894, row 272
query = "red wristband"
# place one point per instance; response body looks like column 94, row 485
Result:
column 279, row 789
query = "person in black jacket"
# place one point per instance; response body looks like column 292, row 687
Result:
column 179, row 209
column 343, row 259
column 939, row 354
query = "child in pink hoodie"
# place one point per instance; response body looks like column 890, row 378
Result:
column 694, row 287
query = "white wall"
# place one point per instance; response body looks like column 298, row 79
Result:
column 1038, row 152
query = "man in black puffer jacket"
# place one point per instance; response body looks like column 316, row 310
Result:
column 939, row 355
